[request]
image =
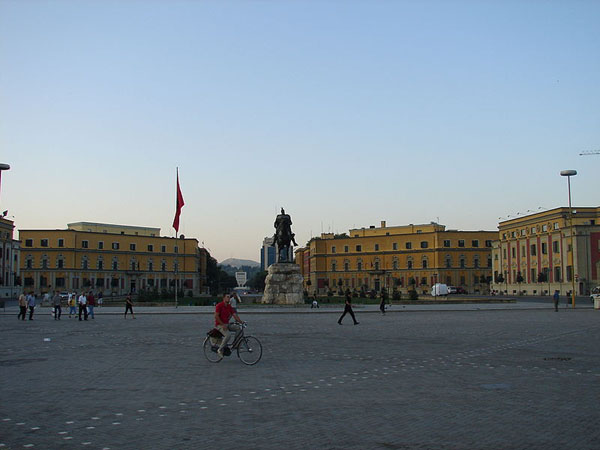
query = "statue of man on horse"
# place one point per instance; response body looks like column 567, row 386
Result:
column 283, row 236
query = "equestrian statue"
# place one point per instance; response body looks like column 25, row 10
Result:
column 283, row 237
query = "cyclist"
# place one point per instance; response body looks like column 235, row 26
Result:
column 223, row 313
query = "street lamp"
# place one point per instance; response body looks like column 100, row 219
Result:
column 3, row 167
column 569, row 174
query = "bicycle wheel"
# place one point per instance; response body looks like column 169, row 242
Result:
column 210, row 351
column 249, row 350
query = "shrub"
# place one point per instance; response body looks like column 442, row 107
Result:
column 396, row 295
column 413, row 295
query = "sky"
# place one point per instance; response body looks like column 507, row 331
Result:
column 345, row 113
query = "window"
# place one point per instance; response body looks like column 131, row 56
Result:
column 395, row 264
column 533, row 275
column 333, row 249
column 150, row 248
column 359, row 265
column 150, row 266
column 346, row 249
column 115, row 246
column 424, row 244
column 513, row 234
column 60, row 264
column 44, row 263
column 132, row 265
column 115, row 265
column 61, row 242
column 557, row 275
column 523, row 232
column 476, row 262
column 544, row 248
column 424, row 264
column 376, row 247
column 359, row 248
column 461, row 243
column 28, row 242
column 448, row 262
column 333, row 266
column 100, row 245
column 346, row 266
column 163, row 248
column 555, row 247
column 84, row 244
column 100, row 264
column 29, row 263
column 488, row 243
column 376, row 265
column 409, row 264
column 544, row 228
column 475, row 243
column 504, row 251
column 132, row 247
column 503, row 235
column 176, row 249
column 462, row 262
column 44, row 243
column 533, row 250
column 85, row 264
column 408, row 245
column 489, row 261
column 395, row 246
column 513, row 252
column 533, row 230
column 555, row 225
column 447, row 243
column 163, row 266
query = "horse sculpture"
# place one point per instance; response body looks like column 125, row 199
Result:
column 283, row 236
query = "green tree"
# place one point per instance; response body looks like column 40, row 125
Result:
column 257, row 282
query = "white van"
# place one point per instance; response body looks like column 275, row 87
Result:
column 439, row 289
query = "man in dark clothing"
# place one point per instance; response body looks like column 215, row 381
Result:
column 348, row 309
column 57, row 307
column 556, row 299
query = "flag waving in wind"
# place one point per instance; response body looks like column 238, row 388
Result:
column 179, row 203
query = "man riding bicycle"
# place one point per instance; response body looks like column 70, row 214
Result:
column 223, row 313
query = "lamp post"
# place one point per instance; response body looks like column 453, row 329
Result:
column 569, row 174
column 3, row 167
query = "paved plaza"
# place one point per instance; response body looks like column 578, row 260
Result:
column 413, row 379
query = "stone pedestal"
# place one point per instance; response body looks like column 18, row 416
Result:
column 283, row 285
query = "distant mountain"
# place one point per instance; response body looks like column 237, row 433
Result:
column 234, row 262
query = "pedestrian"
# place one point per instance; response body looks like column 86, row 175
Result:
column 100, row 299
column 83, row 306
column 556, row 300
column 72, row 309
column 129, row 306
column 91, row 302
column 382, row 304
column 22, row 306
column 31, row 304
column 348, row 309
column 57, row 307
column 235, row 298
column 315, row 303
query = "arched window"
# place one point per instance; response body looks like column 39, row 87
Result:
column 346, row 266
column 359, row 265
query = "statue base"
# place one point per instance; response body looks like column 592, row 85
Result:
column 283, row 285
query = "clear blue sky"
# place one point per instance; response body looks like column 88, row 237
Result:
column 344, row 112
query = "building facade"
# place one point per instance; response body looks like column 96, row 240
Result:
column 10, row 279
column 114, row 259
column 533, row 253
column 400, row 257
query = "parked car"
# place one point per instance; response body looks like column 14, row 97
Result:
column 64, row 295
column 595, row 294
column 460, row 290
column 451, row 289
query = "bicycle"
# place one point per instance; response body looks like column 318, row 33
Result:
column 249, row 348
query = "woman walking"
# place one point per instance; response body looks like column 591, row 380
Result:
column 348, row 309
column 129, row 306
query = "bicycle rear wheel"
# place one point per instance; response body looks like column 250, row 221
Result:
column 210, row 351
column 249, row 350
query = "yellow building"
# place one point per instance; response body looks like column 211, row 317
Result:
column 114, row 259
column 399, row 257
column 533, row 254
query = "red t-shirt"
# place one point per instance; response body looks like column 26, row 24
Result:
column 224, row 311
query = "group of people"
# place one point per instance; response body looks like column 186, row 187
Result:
column 81, row 305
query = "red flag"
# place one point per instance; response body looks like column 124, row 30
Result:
column 179, row 203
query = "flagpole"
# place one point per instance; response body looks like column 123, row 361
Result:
column 176, row 231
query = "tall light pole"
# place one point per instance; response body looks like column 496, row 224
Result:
column 569, row 174
column 3, row 167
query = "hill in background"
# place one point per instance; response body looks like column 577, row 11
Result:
column 239, row 263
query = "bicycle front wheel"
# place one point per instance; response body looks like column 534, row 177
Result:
column 210, row 351
column 250, row 350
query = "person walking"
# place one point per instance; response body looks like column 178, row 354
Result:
column 82, row 300
column 91, row 302
column 100, row 299
column 382, row 304
column 348, row 309
column 31, row 304
column 556, row 300
column 22, row 306
column 129, row 306
column 235, row 298
column 72, row 309
column 57, row 306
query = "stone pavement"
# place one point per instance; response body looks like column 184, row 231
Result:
column 430, row 379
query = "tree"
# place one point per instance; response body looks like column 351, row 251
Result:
column 499, row 278
column 217, row 279
column 257, row 282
